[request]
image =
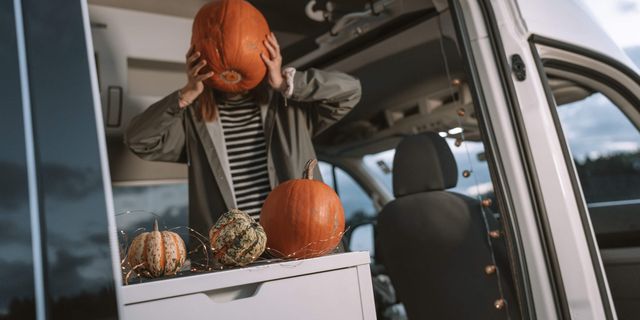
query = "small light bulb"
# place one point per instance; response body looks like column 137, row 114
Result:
column 490, row 269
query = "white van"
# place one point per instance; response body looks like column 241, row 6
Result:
column 490, row 171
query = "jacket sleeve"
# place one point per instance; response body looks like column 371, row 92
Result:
column 158, row 133
column 328, row 96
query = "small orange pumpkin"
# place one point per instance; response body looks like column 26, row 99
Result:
column 303, row 218
column 229, row 34
column 157, row 253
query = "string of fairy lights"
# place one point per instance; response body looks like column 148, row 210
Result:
column 491, row 269
column 201, row 255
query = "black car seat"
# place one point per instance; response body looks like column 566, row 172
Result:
column 437, row 245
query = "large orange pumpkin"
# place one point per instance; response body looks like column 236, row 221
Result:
column 229, row 34
column 303, row 218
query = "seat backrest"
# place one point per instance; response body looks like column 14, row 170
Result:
column 434, row 243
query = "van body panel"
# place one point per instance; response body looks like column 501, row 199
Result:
column 508, row 151
column 570, row 22
column 574, row 260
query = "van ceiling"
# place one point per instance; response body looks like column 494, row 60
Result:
column 401, row 73
column 297, row 32
column 283, row 16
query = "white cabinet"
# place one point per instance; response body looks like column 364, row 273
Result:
column 331, row 287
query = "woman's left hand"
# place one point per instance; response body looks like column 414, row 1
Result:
column 273, row 62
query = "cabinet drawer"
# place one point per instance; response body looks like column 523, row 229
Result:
column 326, row 295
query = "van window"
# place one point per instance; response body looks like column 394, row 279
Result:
column 359, row 210
column 605, row 147
column 355, row 200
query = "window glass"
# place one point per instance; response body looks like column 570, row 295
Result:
column 326, row 169
column 78, row 262
column 358, row 207
column 605, row 147
column 380, row 165
column 356, row 201
column 16, row 255
column 362, row 239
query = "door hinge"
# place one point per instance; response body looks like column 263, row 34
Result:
column 518, row 68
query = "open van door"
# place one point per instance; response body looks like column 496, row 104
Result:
column 549, row 69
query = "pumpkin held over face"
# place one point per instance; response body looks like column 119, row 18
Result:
column 229, row 35
column 303, row 218
column 157, row 253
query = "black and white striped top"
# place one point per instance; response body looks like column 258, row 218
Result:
column 247, row 153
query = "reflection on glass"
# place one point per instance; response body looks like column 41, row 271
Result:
column 78, row 270
column 16, row 261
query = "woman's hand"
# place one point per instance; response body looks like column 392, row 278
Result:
column 273, row 63
column 194, row 86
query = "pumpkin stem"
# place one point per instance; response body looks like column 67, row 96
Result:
column 155, row 225
column 308, row 169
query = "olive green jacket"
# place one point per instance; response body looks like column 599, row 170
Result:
column 164, row 132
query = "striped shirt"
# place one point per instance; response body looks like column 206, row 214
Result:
column 247, row 153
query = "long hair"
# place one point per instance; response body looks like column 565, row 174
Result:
column 209, row 108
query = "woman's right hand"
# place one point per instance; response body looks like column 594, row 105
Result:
column 194, row 86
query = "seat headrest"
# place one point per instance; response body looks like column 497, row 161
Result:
column 423, row 162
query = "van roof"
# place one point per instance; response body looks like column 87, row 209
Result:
column 571, row 22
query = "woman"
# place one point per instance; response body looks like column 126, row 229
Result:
column 243, row 145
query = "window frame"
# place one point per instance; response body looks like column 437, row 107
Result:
column 467, row 17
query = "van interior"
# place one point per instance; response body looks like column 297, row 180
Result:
column 414, row 83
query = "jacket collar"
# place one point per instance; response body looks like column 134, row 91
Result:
column 212, row 151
